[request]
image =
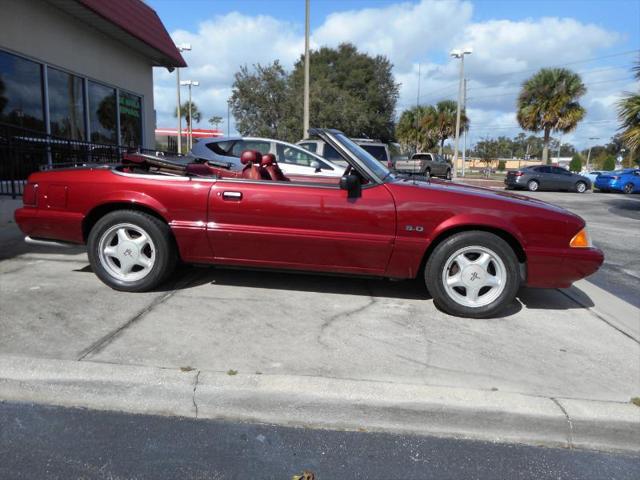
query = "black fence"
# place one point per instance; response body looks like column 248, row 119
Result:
column 24, row 151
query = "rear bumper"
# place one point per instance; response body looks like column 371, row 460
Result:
column 608, row 185
column 50, row 224
column 559, row 269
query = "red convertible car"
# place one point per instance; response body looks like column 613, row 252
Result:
column 473, row 247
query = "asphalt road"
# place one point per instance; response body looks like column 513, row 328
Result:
column 56, row 443
column 614, row 224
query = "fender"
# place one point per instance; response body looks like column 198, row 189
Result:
column 134, row 198
column 468, row 221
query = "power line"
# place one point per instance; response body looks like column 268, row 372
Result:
column 503, row 94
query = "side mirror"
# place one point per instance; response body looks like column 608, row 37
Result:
column 316, row 165
column 351, row 183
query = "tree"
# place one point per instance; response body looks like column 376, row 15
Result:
column 411, row 133
column 215, row 121
column 548, row 102
column 609, row 163
column 576, row 163
column 349, row 90
column 629, row 115
column 259, row 101
column 196, row 116
column 440, row 121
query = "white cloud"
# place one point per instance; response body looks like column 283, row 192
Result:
column 506, row 52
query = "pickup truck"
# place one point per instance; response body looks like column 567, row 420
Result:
column 428, row 164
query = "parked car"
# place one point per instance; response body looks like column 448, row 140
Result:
column 431, row 164
column 377, row 149
column 546, row 177
column 291, row 158
column 627, row 181
column 592, row 175
column 472, row 247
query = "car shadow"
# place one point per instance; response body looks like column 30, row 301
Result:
column 190, row 276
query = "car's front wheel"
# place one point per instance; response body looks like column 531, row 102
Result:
column 131, row 251
column 473, row 274
column 448, row 175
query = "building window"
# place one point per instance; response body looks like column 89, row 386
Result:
column 130, row 119
column 66, row 104
column 102, row 114
column 21, row 99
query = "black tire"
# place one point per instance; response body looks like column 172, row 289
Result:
column 628, row 188
column 533, row 185
column 439, row 258
column 426, row 172
column 165, row 258
column 448, row 174
column 581, row 187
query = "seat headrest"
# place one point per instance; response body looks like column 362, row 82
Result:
column 250, row 156
column 268, row 159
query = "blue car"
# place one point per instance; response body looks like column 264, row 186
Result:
column 627, row 181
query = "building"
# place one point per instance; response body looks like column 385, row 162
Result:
column 82, row 69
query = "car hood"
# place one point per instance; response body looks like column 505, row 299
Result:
column 477, row 195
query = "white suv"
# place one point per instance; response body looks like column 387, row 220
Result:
column 377, row 149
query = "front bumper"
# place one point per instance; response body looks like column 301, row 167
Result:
column 560, row 268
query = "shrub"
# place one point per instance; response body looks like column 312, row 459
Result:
column 502, row 165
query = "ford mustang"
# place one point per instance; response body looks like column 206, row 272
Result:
column 473, row 248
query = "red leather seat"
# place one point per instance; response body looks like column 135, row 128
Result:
column 251, row 160
column 272, row 168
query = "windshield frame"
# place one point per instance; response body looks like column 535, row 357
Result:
column 356, row 156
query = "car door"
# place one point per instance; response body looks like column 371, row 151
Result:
column 544, row 177
column 301, row 226
column 562, row 179
column 440, row 166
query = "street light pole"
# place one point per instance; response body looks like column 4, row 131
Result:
column 181, row 48
column 464, row 133
column 228, row 116
column 305, row 121
column 190, row 83
column 459, row 54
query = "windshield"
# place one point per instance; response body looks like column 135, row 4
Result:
column 365, row 157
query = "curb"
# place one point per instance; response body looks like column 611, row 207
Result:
column 318, row 402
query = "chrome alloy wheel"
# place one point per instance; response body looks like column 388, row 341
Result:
column 474, row 276
column 127, row 252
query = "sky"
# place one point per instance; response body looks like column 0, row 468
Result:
column 511, row 40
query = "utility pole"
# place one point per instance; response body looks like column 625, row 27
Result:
column 181, row 48
column 228, row 116
column 418, row 108
column 459, row 54
column 589, row 154
column 464, row 133
column 305, row 126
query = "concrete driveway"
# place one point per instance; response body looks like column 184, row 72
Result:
column 550, row 343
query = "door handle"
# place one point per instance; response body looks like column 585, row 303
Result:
column 232, row 196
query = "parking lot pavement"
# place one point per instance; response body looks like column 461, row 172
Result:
column 217, row 320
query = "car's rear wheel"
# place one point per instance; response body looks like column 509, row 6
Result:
column 473, row 274
column 448, row 175
column 533, row 185
column 628, row 188
column 131, row 251
column 581, row 187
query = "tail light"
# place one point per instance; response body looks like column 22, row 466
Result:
column 518, row 174
column 29, row 194
column 581, row 239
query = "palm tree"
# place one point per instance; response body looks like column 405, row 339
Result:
column 440, row 121
column 410, row 131
column 184, row 113
column 548, row 101
column 215, row 121
column 629, row 115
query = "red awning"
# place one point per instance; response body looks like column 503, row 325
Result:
column 132, row 22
